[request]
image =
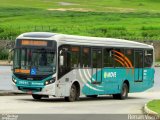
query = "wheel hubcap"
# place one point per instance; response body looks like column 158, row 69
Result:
column 124, row 91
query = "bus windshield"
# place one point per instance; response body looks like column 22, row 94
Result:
column 43, row 61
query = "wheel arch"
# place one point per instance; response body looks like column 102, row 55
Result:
column 77, row 84
column 73, row 95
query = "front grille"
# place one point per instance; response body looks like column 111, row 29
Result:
column 29, row 89
column 30, row 77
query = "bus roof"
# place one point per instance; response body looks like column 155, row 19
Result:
column 83, row 40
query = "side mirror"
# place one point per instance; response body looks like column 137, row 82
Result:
column 61, row 60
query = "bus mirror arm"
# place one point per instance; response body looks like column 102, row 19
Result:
column 10, row 50
column 61, row 60
column 10, row 55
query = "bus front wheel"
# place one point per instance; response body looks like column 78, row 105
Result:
column 124, row 92
column 36, row 97
column 73, row 94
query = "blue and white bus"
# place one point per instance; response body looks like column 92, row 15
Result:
column 50, row 64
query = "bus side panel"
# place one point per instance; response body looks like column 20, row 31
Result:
column 112, row 79
column 111, row 83
column 88, row 76
column 146, row 82
column 65, row 82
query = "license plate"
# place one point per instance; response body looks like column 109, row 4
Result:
column 29, row 92
column 29, row 83
column 24, row 83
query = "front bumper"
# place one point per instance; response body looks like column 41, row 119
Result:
column 45, row 90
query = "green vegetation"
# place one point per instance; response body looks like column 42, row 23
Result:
column 128, row 19
column 3, row 54
column 154, row 105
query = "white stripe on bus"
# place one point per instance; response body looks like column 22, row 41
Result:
column 87, row 83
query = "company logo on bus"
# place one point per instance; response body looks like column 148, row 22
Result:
column 110, row 74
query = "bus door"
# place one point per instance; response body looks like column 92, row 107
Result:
column 96, row 66
column 138, row 74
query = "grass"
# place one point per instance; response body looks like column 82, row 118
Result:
column 154, row 105
column 94, row 5
column 128, row 19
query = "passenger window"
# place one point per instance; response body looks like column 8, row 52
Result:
column 148, row 58
column 138, row 59
column 97, row 58
column 86, row 57
column 119, row 57
column 129, row 60
column 75, row 56
column 108, row 58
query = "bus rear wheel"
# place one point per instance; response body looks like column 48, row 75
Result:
column 36, row 97
column 73, row 94
column 124, row 92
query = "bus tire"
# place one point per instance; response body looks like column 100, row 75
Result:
column 36, row 97
column 73, row 94
column 92, row 96
column 124, row 92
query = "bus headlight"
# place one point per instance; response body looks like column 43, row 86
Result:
column 47, row 82
column 14, row 80
column 50, row 81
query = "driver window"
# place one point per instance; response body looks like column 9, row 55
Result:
column 65, row 52
column 43, row 60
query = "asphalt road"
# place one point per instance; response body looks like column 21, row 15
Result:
column 102, row 105
column 5, row 78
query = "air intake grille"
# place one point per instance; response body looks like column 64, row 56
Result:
column 29, row 77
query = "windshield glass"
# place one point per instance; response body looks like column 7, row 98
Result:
column 34, row 61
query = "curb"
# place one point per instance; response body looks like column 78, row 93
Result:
column 157, row 66
column 6, row 93
column 10, row 93
column 5, row 64
column 150, row 112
